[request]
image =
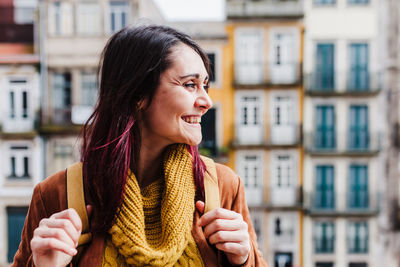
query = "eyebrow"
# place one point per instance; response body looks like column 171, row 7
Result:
column 195, row 75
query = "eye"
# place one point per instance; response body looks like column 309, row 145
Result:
column 190, row 85
column 206, row 87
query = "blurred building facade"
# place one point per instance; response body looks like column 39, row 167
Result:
column 390, row 52
column 343, row 128
column 267, row 41
column 20, row 143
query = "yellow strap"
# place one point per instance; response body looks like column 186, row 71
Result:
column 211, row 189
column 76, row 199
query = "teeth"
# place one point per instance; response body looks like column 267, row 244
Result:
column 192, row 120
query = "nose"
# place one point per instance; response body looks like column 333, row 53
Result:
column 203, row 101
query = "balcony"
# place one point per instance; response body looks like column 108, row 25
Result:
column 252, row 136
column 352, row 84
column 345, row 204
column 352, row 143
column 284, row 198
column 60, row 123
column 264, row 8
column 255, row 75
column 278, row 198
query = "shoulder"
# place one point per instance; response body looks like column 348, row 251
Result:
column 52, row 192
column 230, row 185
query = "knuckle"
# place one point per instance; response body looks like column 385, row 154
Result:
column 218, row 224
column 219, row 212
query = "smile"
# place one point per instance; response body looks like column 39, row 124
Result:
column 192, row 119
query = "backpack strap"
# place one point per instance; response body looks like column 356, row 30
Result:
column 211, row 190
column 76, row 199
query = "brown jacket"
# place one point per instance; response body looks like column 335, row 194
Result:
column 49, row 197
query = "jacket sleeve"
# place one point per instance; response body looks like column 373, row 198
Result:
column 239, row 205
column 36, row 212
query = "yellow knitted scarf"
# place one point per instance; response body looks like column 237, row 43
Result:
column 154, row 225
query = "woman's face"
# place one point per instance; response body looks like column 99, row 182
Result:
column 180, row 100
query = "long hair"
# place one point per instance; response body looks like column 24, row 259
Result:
column 128, row 74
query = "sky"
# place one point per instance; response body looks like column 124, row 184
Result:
column 192, row 10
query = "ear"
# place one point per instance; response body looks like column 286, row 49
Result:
column 142, row 104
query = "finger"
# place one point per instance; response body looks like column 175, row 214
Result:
column 64, row 224
column 70, row 214
column 228, row 236
column 224, row 225
column 57, row 233
column 200, row 206
column 43, row 244
column 233, row 248
column 219, row 213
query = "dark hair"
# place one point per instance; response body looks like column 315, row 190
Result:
column 129, row 73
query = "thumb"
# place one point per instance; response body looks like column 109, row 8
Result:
column 200, row 206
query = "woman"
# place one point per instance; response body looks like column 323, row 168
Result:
column 143, row 176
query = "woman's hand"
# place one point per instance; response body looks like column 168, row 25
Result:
column 55, row 240
column 228, row 231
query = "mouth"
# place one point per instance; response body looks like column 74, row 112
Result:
column 194, row 120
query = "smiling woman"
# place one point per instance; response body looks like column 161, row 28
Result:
column 143, row 176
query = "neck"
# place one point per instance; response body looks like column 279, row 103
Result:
column 150, row 165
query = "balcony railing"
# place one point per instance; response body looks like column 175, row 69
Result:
column 249, row 74
column 350, row 143
column 284, row 197
column 277, row 135
column 336, row 83
column 264, row 8
column 346, row 204
column 61, row 116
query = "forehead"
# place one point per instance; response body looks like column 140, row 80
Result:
column 186, row 60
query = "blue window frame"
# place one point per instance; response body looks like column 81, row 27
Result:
column 357, row 237
column 324, row 2
column 357, row 197
column 324, row 237
column 358, row 79
column 324, row 79
column 15, row 219
column 358, row 128
column 325, row 127
column 324, row 187
column 358, row 1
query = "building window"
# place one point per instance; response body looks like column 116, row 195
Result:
column 63, row 155
column 358, row 128
column 88, row 17
column 324, row 78
column 208, row 130
column 119, row 14
column 18, row 97
column 211, row 57
column 357, row 237
column 61, row 90
column 251, row 172
column 60, row 18
column 19, row 162
column 324, row 237
column 358, row 79
column 324, row 2
column 283, row 259
column 358, row 1
column 15, row 220
column 284, row 229
column 89, row 89
column 257, row 221
column 358, row 187
column 325, row 187
column 324, row 264
column 24, row 11
column 325, row 127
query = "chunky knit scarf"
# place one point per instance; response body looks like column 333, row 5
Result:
column 147, row 233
